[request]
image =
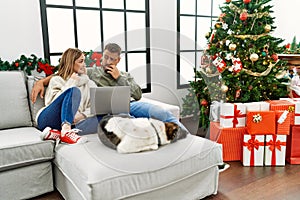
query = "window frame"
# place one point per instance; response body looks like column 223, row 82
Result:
column 125, row 51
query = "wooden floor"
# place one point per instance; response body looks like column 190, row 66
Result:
column 276, row 183
column 255, row 183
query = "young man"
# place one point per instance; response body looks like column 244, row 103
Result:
column 109, row 75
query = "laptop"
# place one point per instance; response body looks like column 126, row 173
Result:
column 110, row 100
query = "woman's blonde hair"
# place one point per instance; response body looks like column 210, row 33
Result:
column 67, row 61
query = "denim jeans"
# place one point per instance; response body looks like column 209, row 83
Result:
column 61, row 110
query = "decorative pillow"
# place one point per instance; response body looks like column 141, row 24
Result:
column 13, row 100
column 34, row 108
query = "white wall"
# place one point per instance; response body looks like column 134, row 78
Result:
column 21, row 31
column 21, row 34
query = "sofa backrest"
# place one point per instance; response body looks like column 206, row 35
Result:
column 14, row 107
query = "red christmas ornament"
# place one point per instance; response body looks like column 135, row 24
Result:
column 29, row 63
column 288, row 46
column 274, row 57
column 228, row 1
column 17, row 64
column 247, row 1
column 220, row 64
column 203, row 102
column 243, row 16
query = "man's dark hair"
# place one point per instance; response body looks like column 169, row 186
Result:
column 113, row 48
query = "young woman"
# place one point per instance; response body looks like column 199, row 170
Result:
column 67, row 100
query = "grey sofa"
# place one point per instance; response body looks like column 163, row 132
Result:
column 186, row 169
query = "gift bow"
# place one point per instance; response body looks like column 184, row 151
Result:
column 275, row 145
column 236, row 114
column 253, row 144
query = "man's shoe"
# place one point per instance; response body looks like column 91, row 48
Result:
column 71, row 137
column 50, row 134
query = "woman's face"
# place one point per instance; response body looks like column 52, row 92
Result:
column 79, row 65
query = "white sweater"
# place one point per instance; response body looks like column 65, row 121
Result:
column 58, row 85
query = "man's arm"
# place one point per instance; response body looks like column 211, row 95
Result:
column 39, row 88
column 135, row 89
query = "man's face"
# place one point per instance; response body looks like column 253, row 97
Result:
column 110, row 58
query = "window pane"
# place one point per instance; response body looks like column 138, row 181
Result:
column 203, row 27
column 60, row 2
column 187, row 7
column 136, row 32
column 116, row 4
column 135, row 5
column 187, row 33
column 137, row 67
column 113, row 27
column 187, row 64
column 204, row 7
column 61, row 29
column 54, row 60
column 216, row 7
column 88, row 3
column 88, row 29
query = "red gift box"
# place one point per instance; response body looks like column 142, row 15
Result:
column 253, row 150
column 275, row 150
column 230, row 138
column 293, row 145
column 261, row 122
column 283, row 105
column 284, row 127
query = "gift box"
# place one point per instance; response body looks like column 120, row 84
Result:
column 293, row 145
column 275, row 150
column 232, row 115
column 296, row 113
column 283, row 105
column 253, row 150
column 230, row 138
column 257, row 106
column 282, row 122
column 261, row 122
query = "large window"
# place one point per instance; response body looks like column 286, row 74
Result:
column 90, row 24
column 194, row 20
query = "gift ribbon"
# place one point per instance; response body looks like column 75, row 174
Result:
column 236, row 114
column 251, row 145
column 273, row 145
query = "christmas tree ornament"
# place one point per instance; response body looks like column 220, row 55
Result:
column 263, row 54
column 243, row 16
column 265, row 62
column 250, row 87
column 253, row 57
column 207, row 35
column 224, row 88
column 220, row 64
column 232, row 47
column 274, row 57
column 237, row 65
column 218, row 25
column 228, row 1
column 268, row 28
column 246, row 1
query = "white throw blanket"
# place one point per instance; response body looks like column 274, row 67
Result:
column 137, row 134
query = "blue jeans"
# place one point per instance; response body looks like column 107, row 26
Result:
column 61, row 110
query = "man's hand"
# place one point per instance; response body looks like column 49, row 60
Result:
column 38, row 88
column 113, row 71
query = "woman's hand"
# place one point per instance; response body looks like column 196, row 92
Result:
column 78, row 116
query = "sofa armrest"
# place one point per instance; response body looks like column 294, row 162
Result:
column 175, row 110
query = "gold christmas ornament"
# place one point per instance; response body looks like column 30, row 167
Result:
column 268, row 28
column 232, row 47
column 224, row 88
column 253, row 57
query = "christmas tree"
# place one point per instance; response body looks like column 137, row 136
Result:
column 240, row 63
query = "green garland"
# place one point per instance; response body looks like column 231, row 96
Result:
column 28, row 64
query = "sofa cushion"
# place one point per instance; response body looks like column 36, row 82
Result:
column 23, row 146
column 13, row 100
column 39, row 103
